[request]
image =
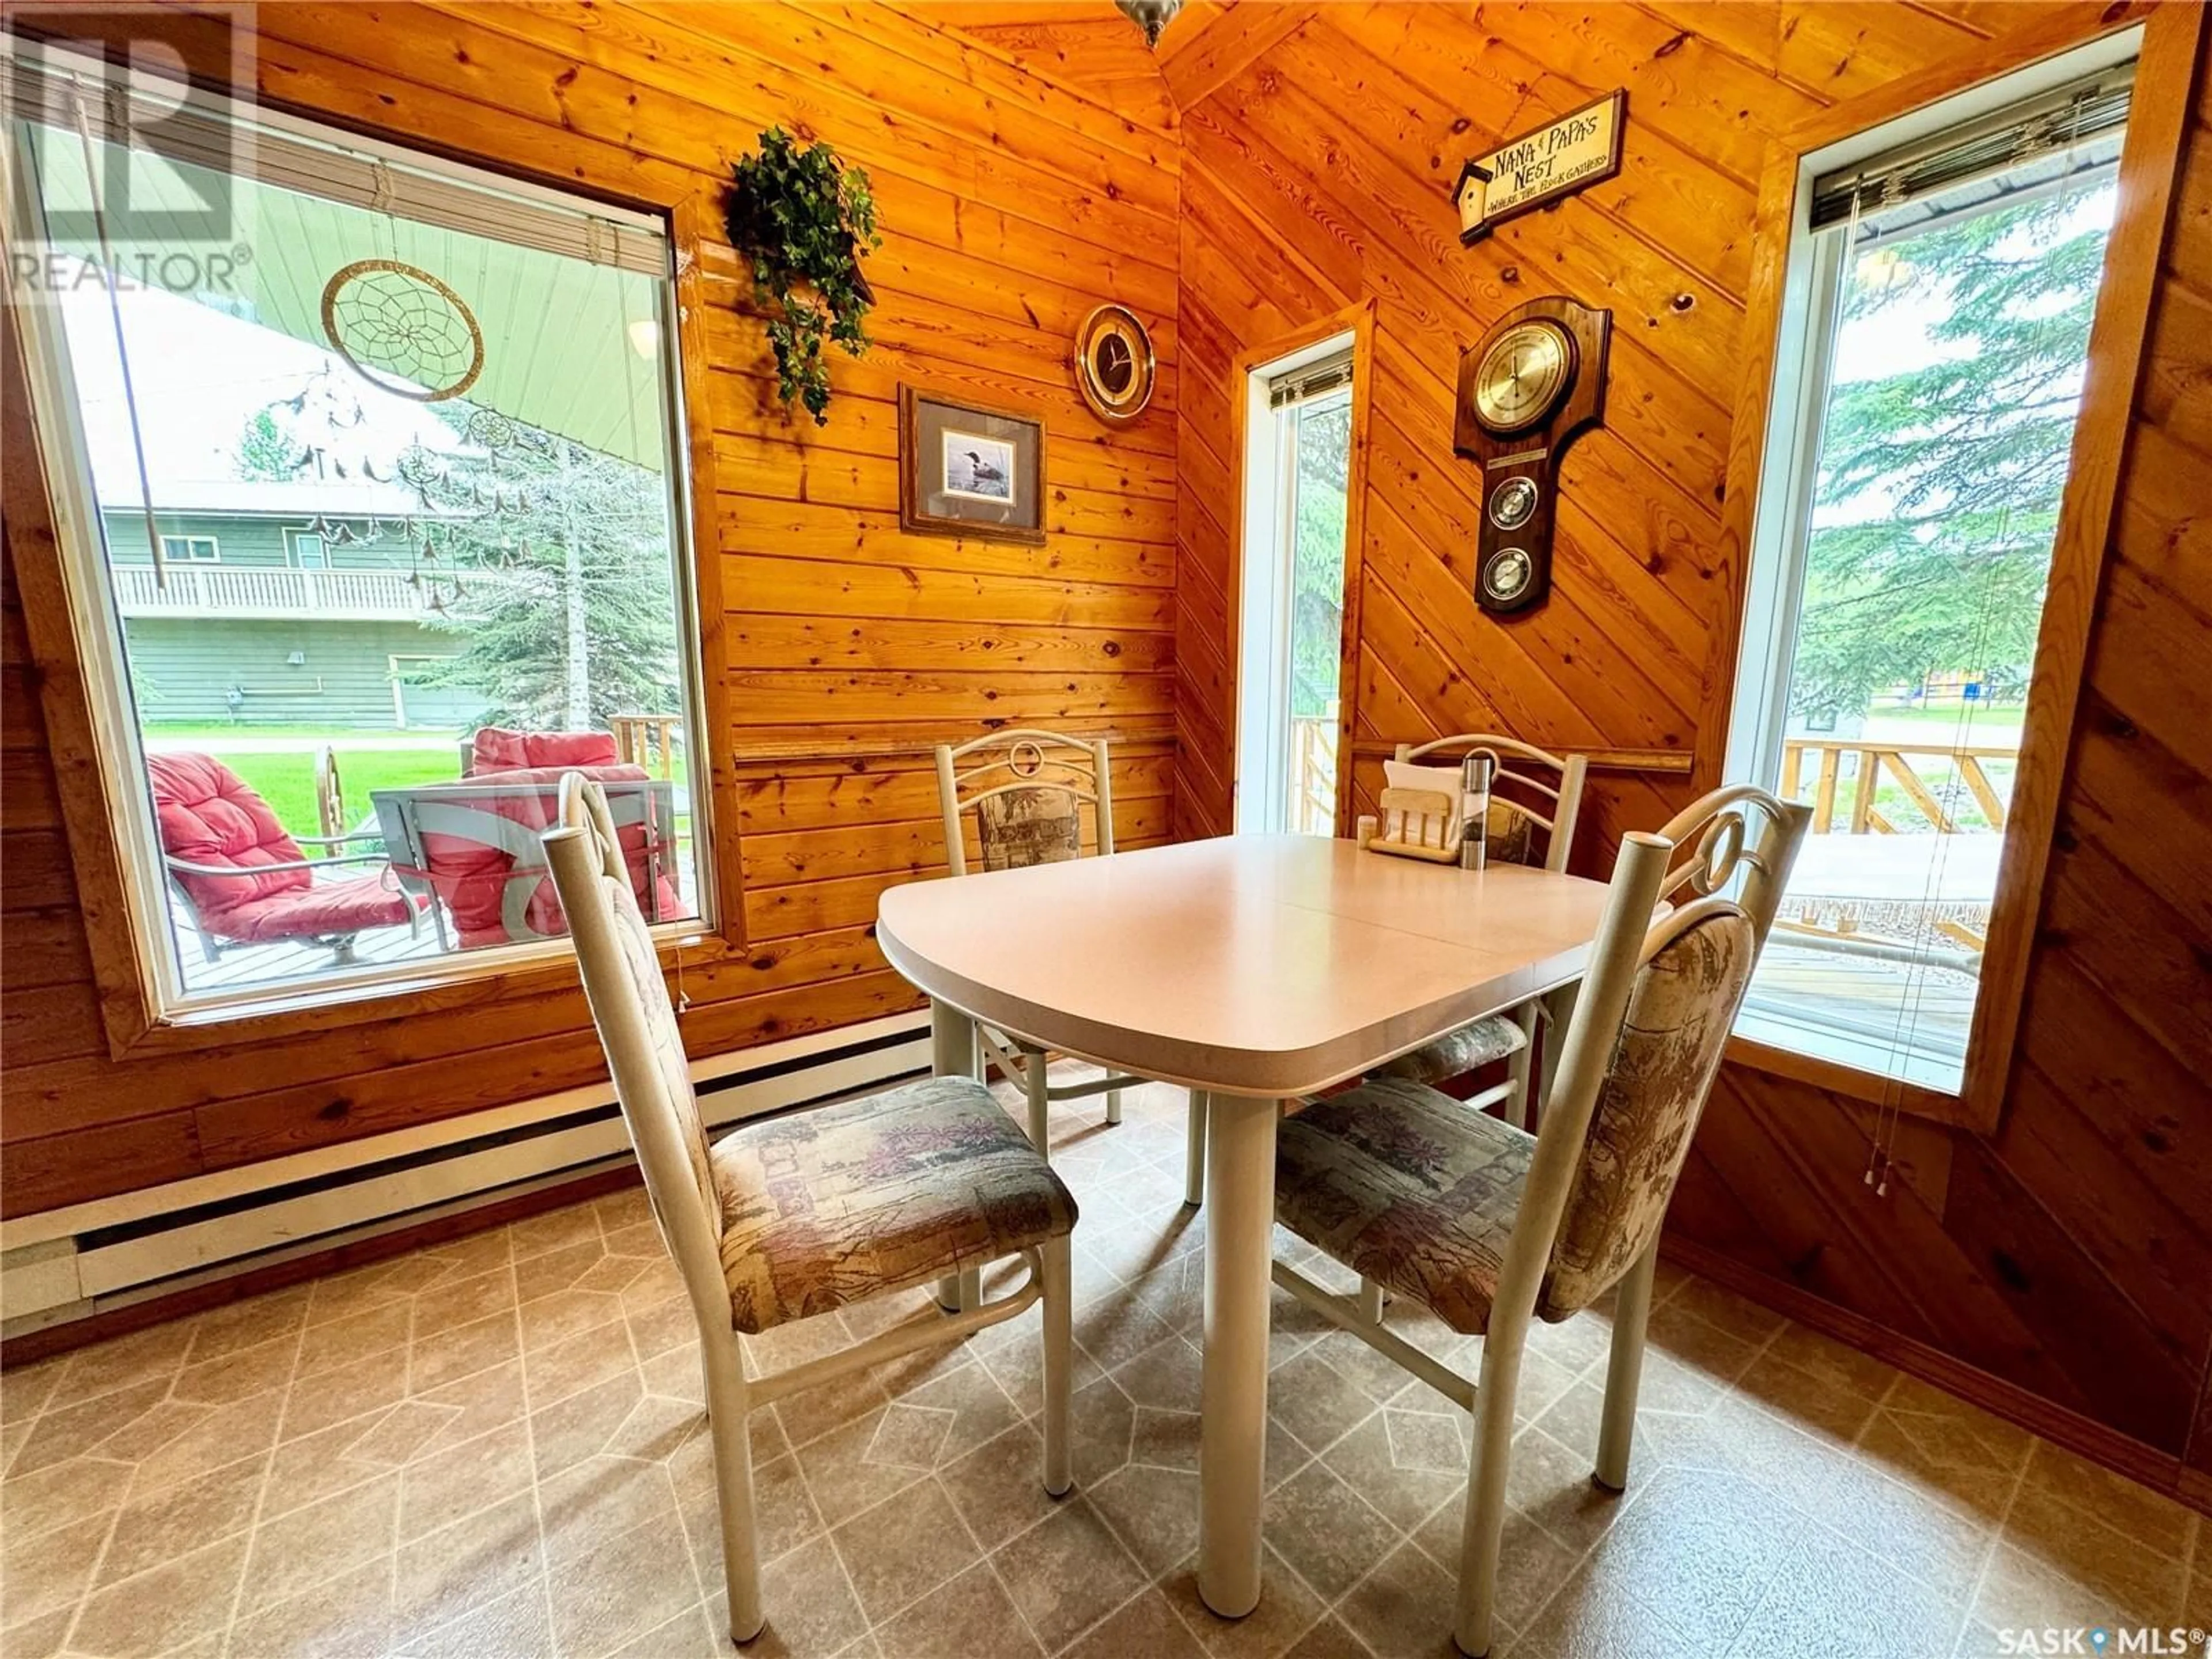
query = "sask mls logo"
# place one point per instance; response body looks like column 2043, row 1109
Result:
column 2105, row 1641
column 111, row 79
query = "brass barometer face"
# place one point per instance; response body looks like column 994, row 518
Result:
column 1523, row 375
column 1507, row 574
column 1513, row 503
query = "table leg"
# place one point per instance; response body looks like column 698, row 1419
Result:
column 955, row 1052
column 1240, row 1219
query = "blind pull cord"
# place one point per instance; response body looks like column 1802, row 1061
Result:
column 122, row 349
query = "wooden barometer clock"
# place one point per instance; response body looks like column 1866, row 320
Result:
column 1527, row 390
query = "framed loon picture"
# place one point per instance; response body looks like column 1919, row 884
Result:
column 967, row 470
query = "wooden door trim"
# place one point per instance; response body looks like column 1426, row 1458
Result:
column 133, row 1025
column 2150, row 164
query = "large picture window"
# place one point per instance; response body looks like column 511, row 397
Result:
column 429, row 419
column 1942, row 294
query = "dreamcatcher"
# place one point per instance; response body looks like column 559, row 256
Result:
column 402, row 330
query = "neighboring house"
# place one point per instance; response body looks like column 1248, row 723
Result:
column 264, row 622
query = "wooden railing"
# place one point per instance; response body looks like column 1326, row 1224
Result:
column 266, row 591
column 648, row 740
column 1824, row 757
column 1313, row 773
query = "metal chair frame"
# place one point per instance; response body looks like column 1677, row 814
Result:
column 1558, row 826
column 585, row 853
column 1723, row 855
column 1034, row 759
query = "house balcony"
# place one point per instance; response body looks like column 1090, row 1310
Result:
column 243, row 590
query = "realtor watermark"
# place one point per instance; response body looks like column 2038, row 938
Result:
column 134, row 154
column 2104, row 1641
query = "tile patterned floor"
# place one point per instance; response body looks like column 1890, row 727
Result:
column 494, row 1447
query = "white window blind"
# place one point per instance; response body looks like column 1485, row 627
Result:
column 229, row 138
column 2058, row 123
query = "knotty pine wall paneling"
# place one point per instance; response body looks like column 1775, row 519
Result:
column 1010, row 206
column 2070, row 1255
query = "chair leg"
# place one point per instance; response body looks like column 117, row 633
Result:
column 1485, row 1485
column 1112, row 1106
column 733, row 1483
column 954, row 1051
column 1624, row 1369
column 1058, row 1361
column 1193, row 1168
column 1517, row 1067
column 1371, row 1301
column 1035, row 1084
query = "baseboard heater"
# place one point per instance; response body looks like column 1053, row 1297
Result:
column 67, row 1264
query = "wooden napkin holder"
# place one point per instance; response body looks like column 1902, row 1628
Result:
column 1416, row 823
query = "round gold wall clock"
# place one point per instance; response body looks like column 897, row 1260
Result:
column 1113, row 364
column 1523, row 374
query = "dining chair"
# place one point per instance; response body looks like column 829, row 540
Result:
column 1488, row 1226
column 1027, row 790
column 801, row 1214
column 1536, row 798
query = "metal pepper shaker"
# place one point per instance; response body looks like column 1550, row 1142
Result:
column 1474, row 775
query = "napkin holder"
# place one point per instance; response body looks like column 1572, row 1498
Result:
column 1415, row 823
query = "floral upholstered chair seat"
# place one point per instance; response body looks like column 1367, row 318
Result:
column 1457, row 1053
column 1407, row 1187
column 826, row 1207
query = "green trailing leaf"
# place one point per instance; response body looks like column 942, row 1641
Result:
column 803, row 219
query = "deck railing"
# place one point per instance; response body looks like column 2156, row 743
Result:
column 1313, row 773
column 267, row 591
column 1904, row 764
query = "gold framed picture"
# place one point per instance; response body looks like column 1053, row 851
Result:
column 968, row 471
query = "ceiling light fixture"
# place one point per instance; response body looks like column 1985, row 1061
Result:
column 1150, row 15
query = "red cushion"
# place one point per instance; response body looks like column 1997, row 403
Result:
column 207, row 815
column 495, row 749
column 335, row 906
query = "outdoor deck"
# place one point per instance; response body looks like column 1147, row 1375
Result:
column 271, row 966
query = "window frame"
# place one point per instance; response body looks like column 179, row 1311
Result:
column 1758, row 500
column 213, row 543
column 56, row 538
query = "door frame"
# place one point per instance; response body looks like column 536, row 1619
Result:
column 1356, row 320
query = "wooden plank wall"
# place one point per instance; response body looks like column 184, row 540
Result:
column 2071, row 1255
column 1011, row 208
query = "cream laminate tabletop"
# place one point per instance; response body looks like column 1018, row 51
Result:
column 1255, row 965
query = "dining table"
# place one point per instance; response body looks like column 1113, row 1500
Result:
column 1256, row 969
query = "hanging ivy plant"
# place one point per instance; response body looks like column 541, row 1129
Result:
column 804, row 218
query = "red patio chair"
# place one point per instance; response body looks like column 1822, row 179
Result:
column 476, row 846
column 244, row 881
column 495, row 748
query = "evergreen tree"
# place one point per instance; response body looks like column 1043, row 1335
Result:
column 1324, row 468
column 265, row 454
column 1944, row 479
column 554, row 571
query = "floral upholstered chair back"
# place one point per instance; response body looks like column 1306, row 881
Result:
column 1737, row 845
column 1027, row 790
column 1534, row 797
column 1684, row 1003
column 637, row 1028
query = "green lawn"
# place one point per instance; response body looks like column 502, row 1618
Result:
column 287, row 781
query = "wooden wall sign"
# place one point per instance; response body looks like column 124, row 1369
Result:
column 1581, row 148
column 1527, row 390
